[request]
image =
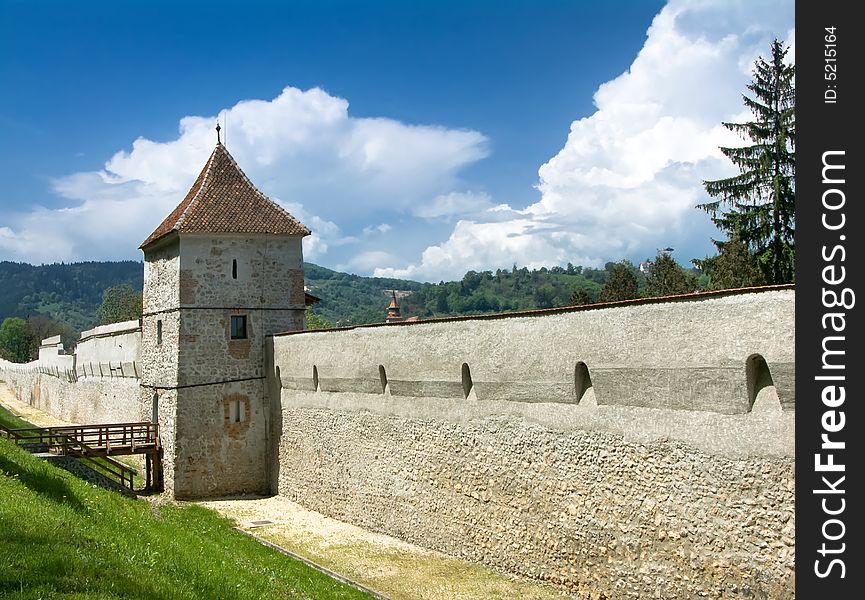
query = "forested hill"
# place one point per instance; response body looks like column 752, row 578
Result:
column 67, row 292
column 71, row 293
column 350, row 299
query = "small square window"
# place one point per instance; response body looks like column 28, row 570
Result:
column 238, row 327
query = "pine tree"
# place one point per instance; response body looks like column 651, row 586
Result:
column 760, row 200
column 667, row 278
column 734, row 267
column 621, row 284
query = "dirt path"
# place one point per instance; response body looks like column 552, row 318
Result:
column 397, row 569
column 30, row 414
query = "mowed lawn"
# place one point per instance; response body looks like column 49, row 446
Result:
column 61, row 537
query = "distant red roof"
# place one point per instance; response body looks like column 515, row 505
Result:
column 223, row 200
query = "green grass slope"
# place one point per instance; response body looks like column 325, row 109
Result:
column 63, row 538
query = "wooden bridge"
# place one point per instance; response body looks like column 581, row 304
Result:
column 97, row 444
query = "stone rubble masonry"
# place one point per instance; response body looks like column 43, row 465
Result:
column 668, row 472
column 162, row 277
column 202, row 280
column 213, row 456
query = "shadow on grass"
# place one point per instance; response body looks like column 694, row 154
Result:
column 39, row 478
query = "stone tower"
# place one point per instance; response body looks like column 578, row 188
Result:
column 221, row 272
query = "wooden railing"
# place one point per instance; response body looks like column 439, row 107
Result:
column 95, row 444
column 114, row 438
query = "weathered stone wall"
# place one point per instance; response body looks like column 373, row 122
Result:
column 161, row 314
column 663, row 469
column 162, row 277
column 269, row 271
column 87, row 400
column 208, row 354
column 97, row 384
column 215, row 454
column 688, row 354
column 52, row 354
column 198, row 373
column 159, row 356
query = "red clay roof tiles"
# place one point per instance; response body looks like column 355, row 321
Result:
column 223, row 200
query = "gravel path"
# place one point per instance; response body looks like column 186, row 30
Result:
column 395, row 568
column 25, row 411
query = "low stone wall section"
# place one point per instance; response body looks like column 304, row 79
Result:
column 88, row 400
column 635, row 451
column 110, row 351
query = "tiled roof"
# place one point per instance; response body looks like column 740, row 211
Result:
column 223, row 200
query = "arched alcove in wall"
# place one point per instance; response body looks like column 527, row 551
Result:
column 467, row 380
column 382, row 375
column 757, row 378
column 277, row 375
column 315, row 378
column 582, row 381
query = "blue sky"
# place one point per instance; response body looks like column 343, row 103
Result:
column 416, row 139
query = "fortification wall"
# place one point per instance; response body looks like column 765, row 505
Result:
column 221, row 440
column 665, row 468
column 115, row 343
column 87, row 400
column 52, row 355
column 97, row 384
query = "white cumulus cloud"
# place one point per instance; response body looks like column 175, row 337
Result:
column 629, row 176
column 446, row 206
column 302, row 148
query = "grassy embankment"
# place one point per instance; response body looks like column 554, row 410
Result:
column 61, row 537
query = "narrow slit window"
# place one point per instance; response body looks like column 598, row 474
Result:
column 235, row 411
column 159, row 332
column 234, row 268
column 238, row 327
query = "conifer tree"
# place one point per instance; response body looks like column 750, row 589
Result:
column 621, row 284
column 667, row 278
column 757, row 205
column 734, row 267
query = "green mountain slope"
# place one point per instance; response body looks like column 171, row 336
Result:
column 71, row 293
column 67, row 292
